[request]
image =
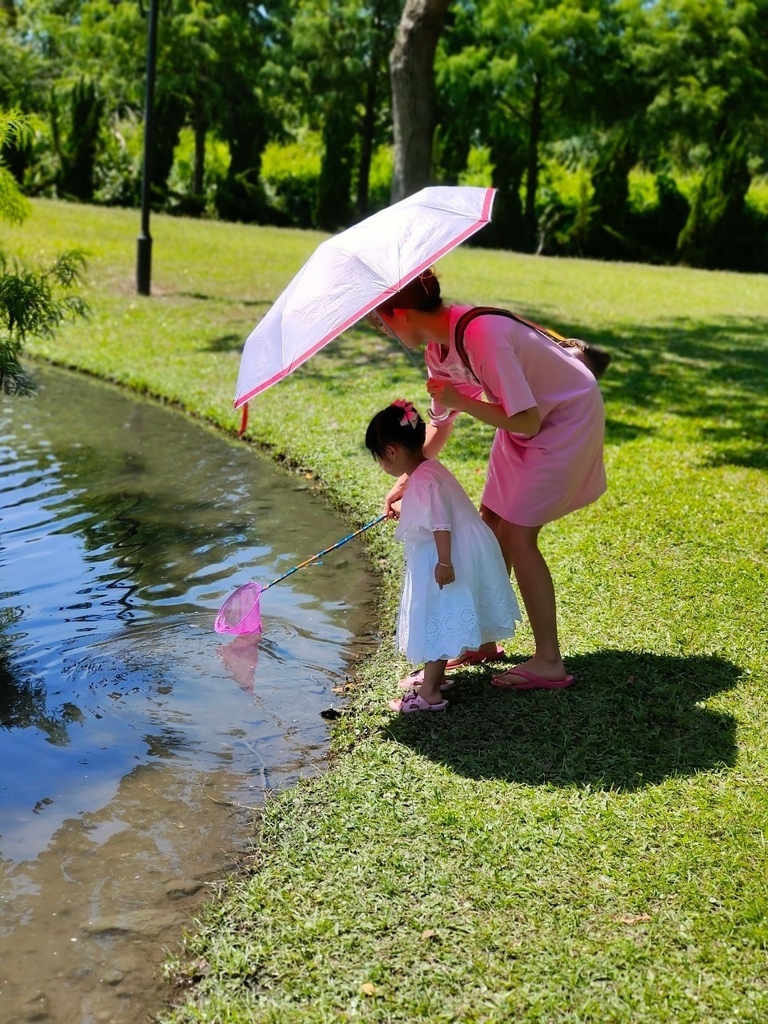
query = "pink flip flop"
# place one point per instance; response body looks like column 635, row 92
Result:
column 415, row 702
column 414, row 679
column 529, row 681
column 474, row 658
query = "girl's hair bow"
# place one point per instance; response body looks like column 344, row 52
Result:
column 410, row 416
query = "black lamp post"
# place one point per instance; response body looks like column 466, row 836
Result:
column 144, row 242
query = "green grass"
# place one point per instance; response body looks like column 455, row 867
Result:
column 594, row 855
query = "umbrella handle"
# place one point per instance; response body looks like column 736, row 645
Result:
column 325, row 551
column 378, row 325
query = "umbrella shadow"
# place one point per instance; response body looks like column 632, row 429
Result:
column 215, row 297
column 631, row 720
column 361, row 349
column 224, row 343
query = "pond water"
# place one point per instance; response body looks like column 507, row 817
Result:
column 133, row 739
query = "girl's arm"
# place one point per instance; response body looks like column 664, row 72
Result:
column 444, row 573
column 527, row 422
column 393, row 497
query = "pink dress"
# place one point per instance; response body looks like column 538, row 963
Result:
column 530, row 481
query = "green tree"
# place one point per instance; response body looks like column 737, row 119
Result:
column 209, row 63
column 467, row 114
column 253, row 102
column 618, row 137
column 708, row 62
column 33, row 300
column 78, row 152
column 339, row 49
column 86, row 63
column 531, row 73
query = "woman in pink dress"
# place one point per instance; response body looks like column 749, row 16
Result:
column 547, row 454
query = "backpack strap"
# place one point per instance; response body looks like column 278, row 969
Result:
column 596, row 359
column 466, row 318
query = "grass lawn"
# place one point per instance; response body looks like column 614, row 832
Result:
column 593, row 855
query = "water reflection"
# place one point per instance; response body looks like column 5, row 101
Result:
column 130, row 733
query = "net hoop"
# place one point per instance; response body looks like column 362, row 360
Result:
column 240, row 613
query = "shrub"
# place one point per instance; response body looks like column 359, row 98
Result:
column 290, row 174
column 32, row 300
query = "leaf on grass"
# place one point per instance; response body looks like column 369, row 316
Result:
column 428, row 933
column 634, row 919
column 368, row 989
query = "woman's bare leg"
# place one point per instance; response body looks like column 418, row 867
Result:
column 493, row 521
column 520, row 548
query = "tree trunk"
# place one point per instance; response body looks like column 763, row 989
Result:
column 411, row 71
column 335, row 181
column 8, row 13
column 366, row 141
column 198, row 171
column 506, row 229
column 532, row 170
column 710, row 236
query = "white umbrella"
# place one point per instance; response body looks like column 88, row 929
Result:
column 352, row 273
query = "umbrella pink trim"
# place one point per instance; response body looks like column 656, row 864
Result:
column 481, row 222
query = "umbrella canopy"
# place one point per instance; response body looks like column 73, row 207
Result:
column 352, row 273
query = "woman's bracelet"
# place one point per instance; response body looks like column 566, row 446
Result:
column 446, row 565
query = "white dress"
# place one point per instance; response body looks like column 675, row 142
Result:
column 480, row 605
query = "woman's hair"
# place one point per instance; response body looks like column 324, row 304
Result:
column 422, row 293
column 400, row 424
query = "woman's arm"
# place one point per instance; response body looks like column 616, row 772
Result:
column 527, row 422
column 437, row 435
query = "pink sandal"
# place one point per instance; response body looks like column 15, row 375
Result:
column 414, row 679
column 415, row 702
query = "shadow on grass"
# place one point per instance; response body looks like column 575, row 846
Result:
column 205, row 297
column 630, row 720
column 224, row 343
column 335, row 367
column 711, row 371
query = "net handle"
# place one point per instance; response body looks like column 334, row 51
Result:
column 325, row 551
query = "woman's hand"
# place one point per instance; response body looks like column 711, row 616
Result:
column 444, row 574
column 527, row 422
column 445, row 393
column 393, row 498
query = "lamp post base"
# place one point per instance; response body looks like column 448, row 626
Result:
column 143, row 264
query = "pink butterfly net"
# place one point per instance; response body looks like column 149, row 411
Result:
column 241, row 614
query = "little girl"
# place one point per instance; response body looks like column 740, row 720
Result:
column 456, row 592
